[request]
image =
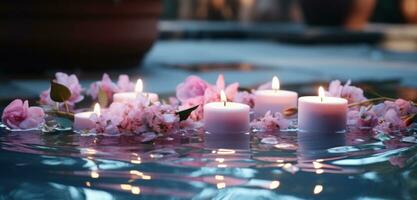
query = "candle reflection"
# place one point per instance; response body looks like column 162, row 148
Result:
column 94, row 174
column 313, row 146
column 225, row 143
column 219, row 177
column 318, row 189
column 136, row 161
column 274, row 185
column 221, row 185
column 135, row 190
column 125, row 186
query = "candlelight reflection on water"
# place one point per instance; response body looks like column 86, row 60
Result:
column 274, row 185
column 183, row 170
column 318, row 189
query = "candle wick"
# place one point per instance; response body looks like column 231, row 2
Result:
column 321, row 99
column 224, row 102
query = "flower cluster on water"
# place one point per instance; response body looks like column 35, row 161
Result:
column 138, row 116
column 141, row 115
column 18, row 115
column 389, row 116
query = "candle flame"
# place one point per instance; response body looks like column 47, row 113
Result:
column 223, row 97
column 321, row 93
column 97, row 109
column 275, row 83
column 139, row 86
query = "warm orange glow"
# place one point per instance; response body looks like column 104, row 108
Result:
column 275, row 83
column 139, row 86
column 97, row 109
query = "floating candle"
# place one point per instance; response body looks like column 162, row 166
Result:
column 226, row 117
column 321, row 113
column 85, row 120
column 274, row 100
column 129, row 96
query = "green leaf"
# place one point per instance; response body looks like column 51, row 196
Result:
column 103, row 100
column 59, row 92
column 184, row 114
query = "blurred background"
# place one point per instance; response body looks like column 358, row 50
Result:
column 304, row 42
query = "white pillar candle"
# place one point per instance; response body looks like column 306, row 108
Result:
column 226, row 117
column 85, row 120
column 274, row 100
column 322, row 114
column 129, row 96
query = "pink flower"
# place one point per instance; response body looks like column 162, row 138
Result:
column 383, row 117
column 122, row 118
column 139, row 117
column 364, row 117
column 270, row 122
column 173, row 101
column 230, row 90
column 195, row 91
column 197, row 114
column 18, row 115
column 351, row 93
column 124, row 84
column 390, row 122
column 106, row 84
column 192, row 87
column 71, row 82
column 162, row 118
column 404, row 107
column 245, row 98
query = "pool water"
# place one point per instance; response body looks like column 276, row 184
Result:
column 192, row 165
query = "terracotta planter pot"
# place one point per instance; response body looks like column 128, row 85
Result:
column 76, row 33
